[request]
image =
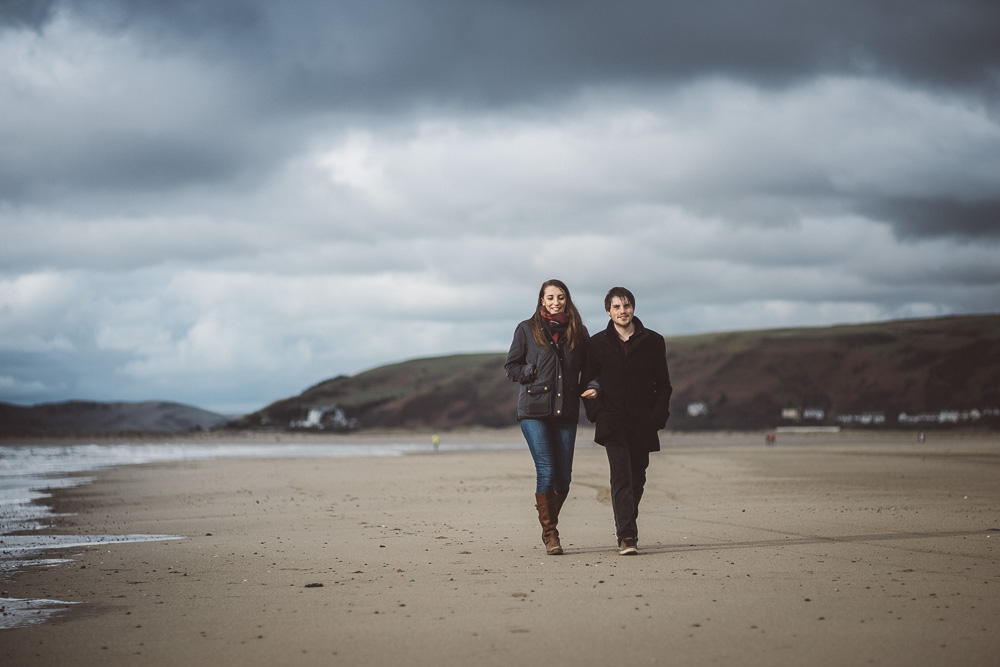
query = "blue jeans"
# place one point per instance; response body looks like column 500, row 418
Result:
column 551, row 444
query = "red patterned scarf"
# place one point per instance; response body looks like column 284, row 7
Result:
column 557, row 324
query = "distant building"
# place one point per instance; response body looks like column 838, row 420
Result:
column 313, row 420
column 325, row 417
column 865, row 419
column 947, row 416
column 698, row 409
column 792, row 414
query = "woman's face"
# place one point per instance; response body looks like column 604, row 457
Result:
column 554, row 300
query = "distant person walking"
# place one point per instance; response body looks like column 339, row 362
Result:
column 629, row 362
column 547, row 357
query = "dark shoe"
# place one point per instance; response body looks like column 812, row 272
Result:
column 628, row 546
column 548, row 515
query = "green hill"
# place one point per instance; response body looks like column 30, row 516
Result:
column 852, row 374
column 96, row 417
column 849, row 375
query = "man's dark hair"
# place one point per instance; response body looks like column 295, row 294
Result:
column 621, row 293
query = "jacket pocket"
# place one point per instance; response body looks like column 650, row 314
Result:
column 539, row 399
column 610, row 430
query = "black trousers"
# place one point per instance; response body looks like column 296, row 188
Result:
column 628, row 478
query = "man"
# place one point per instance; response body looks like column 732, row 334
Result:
column 629, row 363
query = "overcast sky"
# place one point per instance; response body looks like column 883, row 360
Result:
column 222, row 203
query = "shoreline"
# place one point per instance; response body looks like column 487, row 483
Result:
column 477, row 434
column 231, row 436
column 862, row 550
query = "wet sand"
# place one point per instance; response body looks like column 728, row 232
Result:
column 832, row 549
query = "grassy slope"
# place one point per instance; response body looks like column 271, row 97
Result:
column 90, row 416
column 746, row 378
column 912, row 365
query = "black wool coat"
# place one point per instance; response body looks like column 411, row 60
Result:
column 634, row 399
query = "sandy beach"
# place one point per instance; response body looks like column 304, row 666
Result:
column 824, row 549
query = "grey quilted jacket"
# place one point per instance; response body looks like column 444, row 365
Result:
column 549, row 375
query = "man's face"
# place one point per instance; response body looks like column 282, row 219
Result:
column 621, row 312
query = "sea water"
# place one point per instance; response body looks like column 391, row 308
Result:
column 31, row 473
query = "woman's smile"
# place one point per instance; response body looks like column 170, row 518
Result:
column 554, row 300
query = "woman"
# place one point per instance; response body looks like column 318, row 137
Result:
column 547, row 358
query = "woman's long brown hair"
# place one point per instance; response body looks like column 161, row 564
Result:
column 575, row 329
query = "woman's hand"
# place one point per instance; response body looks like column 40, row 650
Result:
column 528, row 374
column 590, row 393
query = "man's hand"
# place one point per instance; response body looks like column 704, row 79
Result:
column 590, row 393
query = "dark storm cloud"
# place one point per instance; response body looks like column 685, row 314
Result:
column 135, row 165
column 915, row 217
column 263, row 71
column 359, row 53
column 25, row 13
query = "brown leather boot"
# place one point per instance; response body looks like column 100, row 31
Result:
column 548, row 515
column 560, row 499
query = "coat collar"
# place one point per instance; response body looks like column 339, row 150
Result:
column 611, row 333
